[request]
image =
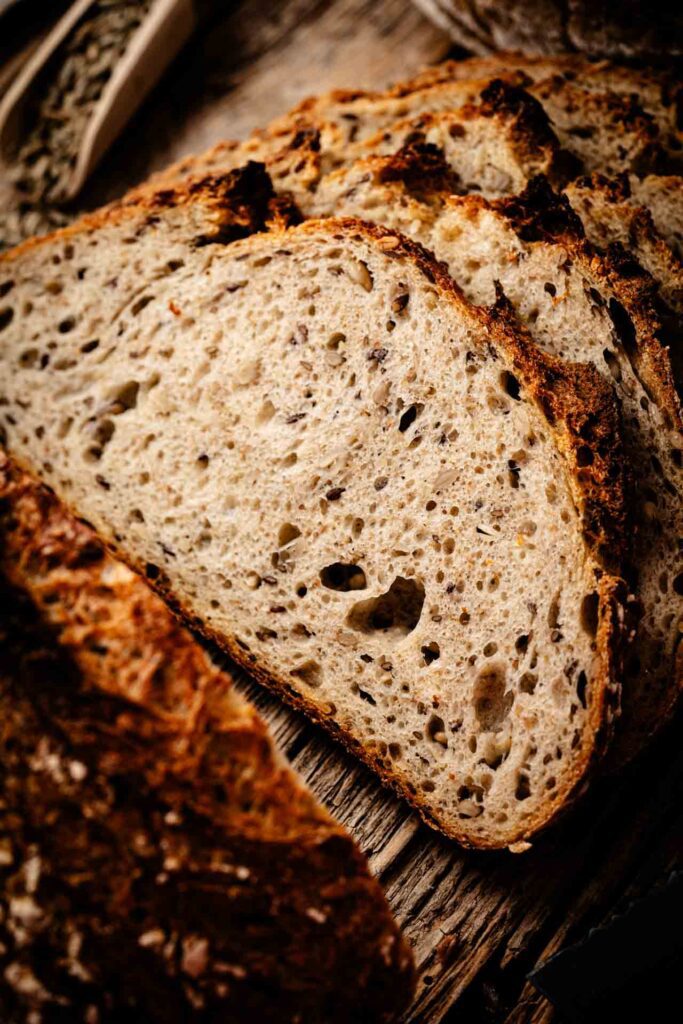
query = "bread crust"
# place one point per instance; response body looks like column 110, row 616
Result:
column 123, row 692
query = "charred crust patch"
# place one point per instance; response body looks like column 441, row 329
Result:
column 421, row 167
column 540, row 214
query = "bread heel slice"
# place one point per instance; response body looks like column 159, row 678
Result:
column 156, row 844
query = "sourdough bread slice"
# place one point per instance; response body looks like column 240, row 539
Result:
column 582, row 305
column 388, row 505
column 609, row 214
column 607, row 132
column 659, row 92
column 161, row 862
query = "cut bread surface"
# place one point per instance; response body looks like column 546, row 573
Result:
column 124, row 751
column 384, row 503
column 663, row 197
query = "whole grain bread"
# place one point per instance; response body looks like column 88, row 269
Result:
column 492, row 121
column 386, row 504
column 579, row 304
column 607, row 131
column 160, row 860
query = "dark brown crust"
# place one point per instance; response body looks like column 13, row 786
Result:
column 539, row 214
column 501, row 98
column 574, row 400
column 418, row 165
column 237, row 203
column 149, row 758
column 521, row 119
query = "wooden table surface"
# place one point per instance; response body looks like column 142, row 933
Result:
column 478, row 922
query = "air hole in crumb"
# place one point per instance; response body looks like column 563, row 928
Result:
column 527, row 683
column 523, row 790
column 409, row 416
column 623, row 325
column 584, row 456
column 140, row 304
column 589, row 613
column 431, row 652
column 126, row 397
column 6, row 317
column 310, row 673
column 581, row 685
column 396, row 612
column 435, row 730
column 342, row 577
column 678, row 584
column 612, row 364
column 66, row 325
column 510, row 385
column 491, row 703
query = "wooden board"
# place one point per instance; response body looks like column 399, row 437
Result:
column 478, row 922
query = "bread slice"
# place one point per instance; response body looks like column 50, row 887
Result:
column 609, row 214
column 386, row 504
column 159, row 857
column 658, row 91
column 579, row 305
column 608, row 131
